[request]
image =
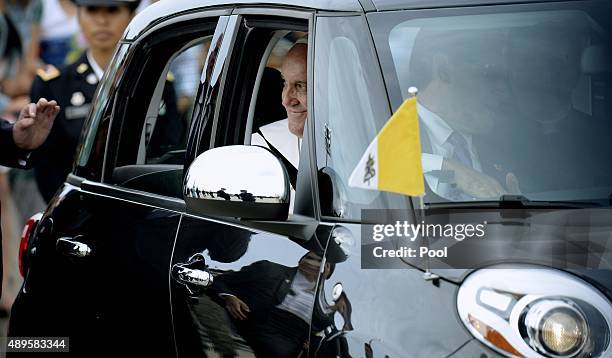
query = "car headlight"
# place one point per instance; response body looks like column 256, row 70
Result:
column 556, row 327
column 526, row 311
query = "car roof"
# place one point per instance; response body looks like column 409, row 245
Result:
column 382, row 5
column 166, row 8
column 163, row 9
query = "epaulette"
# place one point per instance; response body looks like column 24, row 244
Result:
column 48, row 72
column 170, row 77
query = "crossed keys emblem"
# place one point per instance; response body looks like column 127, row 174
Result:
column 370, row 172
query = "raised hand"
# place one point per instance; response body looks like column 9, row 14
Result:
column 34, row 124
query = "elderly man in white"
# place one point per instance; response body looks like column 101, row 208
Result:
column 286, row 135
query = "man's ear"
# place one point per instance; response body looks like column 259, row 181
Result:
column 327, row 270
column 441, row 68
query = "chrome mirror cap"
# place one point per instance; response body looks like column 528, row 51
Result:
column 240, row 181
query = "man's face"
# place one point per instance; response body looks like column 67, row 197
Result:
column 294, row 74
column 475, row 89
column 475, row 98
column 470, row 78
column 310, row 265
column 543, row 72
column 103, row 26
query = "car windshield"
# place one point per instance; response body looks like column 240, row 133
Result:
column 514, row 102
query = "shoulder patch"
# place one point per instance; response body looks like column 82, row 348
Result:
column 170, row 77
column 48, row 72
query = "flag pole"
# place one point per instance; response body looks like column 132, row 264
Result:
column 420, row 211
column 413, row 91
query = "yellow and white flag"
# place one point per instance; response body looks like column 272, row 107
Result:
column 392, row 162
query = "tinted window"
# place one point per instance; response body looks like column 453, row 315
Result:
column 165, row 131
column 156, row 104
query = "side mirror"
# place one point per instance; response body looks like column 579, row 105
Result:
column 239, row 181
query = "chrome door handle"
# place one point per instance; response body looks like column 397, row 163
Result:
column 193, row 275
column 68, row 246
column 186, row 275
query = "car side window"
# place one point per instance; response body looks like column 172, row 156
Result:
column 91, row 151
column 257, row 102
column 164, row 135
column 156, row 106
column 350, row 109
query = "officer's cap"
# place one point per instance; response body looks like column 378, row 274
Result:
column 108, row 3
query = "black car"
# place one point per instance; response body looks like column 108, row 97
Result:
column 204, row 250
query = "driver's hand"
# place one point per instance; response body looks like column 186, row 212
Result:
column 473, row 183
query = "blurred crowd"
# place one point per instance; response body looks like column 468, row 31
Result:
column 33, row 35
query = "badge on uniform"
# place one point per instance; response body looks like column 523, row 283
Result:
column 76, row 112
column 92, row 79
column 77, row 99
column 77, row 108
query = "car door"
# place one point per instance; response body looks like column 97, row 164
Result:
column 100, row 271
column 255, row 262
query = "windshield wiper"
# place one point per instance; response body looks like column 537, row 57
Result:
column 522, row 202
column 517, row 202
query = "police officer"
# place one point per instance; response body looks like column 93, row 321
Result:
column 102, row 23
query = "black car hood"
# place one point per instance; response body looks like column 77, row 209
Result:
column 578, row 241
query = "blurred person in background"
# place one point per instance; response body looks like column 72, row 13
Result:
column 58, row 31
column 102, row 23
column 186, row 69
column 14, row 86
column 26, row 15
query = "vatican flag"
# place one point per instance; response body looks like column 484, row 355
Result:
column 392, row 162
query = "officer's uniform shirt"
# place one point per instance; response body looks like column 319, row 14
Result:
column 73, row 87
column 97, row 70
